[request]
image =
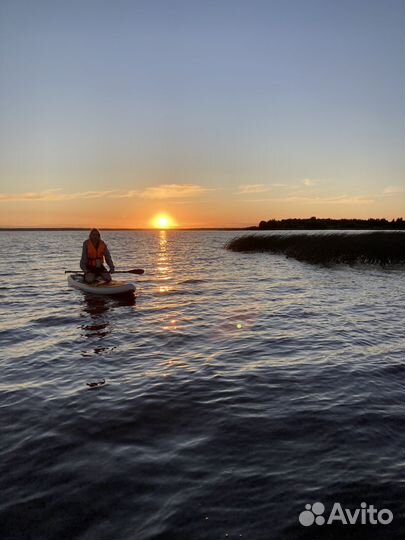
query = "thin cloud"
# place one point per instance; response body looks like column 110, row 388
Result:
column 308, row 182
column 346, row 200
column 56, row 195
column 91, row 194
column 124, row 194
column 319, row 200
column 252, row 188
column 164, row 191
column 172, row 191
column 393, row 189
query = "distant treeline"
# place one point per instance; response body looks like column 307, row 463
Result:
column 314, row 223
column 330, row 248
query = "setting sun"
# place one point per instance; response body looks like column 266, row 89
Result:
column 162, row 221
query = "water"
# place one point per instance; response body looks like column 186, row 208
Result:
column 239, row 387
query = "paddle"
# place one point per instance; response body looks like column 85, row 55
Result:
column 139, row 271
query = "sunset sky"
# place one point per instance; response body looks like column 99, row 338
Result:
column 215, row 112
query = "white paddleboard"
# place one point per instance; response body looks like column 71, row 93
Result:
column 101, row 287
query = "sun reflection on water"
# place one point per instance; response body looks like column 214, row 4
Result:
column 163, row 265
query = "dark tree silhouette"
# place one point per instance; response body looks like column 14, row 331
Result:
column 314, row 223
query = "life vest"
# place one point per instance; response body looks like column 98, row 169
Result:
column 95, row 256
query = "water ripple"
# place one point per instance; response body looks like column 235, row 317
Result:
column 238, row 389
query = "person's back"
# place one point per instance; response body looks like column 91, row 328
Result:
column 94, row 252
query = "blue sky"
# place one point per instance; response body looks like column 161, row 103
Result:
column 240, row 110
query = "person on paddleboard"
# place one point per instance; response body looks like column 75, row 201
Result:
column 93, row 254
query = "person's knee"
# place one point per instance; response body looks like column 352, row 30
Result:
column 89, row 277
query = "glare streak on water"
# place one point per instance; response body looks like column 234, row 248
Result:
column 239, row 387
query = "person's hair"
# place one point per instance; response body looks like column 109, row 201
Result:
column 94, row 230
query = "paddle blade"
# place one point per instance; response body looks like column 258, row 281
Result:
column 138, row 271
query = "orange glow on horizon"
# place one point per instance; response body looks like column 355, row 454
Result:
column 162, row 221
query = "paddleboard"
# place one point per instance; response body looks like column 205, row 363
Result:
column 101, row 287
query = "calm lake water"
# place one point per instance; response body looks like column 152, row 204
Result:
column 239, row 388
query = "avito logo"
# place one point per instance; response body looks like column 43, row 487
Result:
column 366, row 515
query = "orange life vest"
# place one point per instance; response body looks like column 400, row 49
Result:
column 95, row 256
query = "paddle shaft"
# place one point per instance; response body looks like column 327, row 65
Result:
column 139, row 271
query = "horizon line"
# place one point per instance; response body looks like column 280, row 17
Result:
column 126, row 228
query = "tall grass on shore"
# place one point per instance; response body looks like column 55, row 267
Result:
column 371, row 247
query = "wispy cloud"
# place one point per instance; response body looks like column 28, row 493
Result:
column 123, row 194
column 52, row 195
column 164, row 191
column 252, row 188
column 393, row 189
column 308, row 182
column 172, row 191
column 343, row 199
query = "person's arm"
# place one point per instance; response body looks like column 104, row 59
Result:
column 83, row 260
column 108, row 259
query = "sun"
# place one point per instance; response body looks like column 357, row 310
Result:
column 162, row 221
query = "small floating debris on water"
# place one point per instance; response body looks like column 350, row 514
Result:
column 96, row 384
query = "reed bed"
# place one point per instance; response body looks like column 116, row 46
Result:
column 349, row 248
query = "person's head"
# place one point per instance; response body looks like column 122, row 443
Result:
column 95, row 236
